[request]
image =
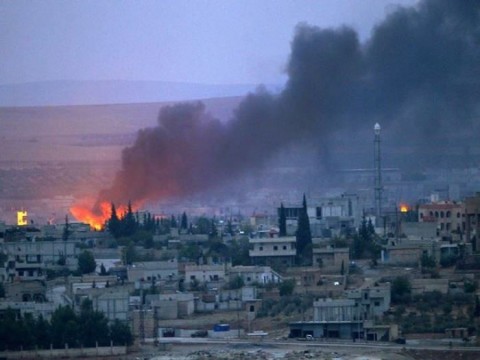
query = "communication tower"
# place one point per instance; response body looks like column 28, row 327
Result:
column 378, row 173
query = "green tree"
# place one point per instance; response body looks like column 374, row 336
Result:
column 239, row 251
column 64, row 327
column 86, row 262
column 66, row 229
column 282, row 221
column 129, row 254
column 42, row 333
column 236, row 282
column 184, row 221
column 427, row 261
column 114, row 225
column 190, row 252
column 286, row 287
column 173, row 222
column 213, row 230
column 304, row 236
column 129, row 222
column 103, row 271
column 92, row 326
column 202, row 226
column 401, row 290
column 120, row 333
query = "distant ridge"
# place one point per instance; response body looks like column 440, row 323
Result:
column 65, row 92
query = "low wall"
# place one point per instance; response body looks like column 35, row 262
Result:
column 65, row 353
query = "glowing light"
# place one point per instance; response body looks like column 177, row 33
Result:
column 22, row 218
column 96, row 219
column 404, row 208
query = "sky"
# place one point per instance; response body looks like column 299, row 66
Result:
column 210, row 42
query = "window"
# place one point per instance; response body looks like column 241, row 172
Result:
column 192, row 277
column 377, row 303
column 275, row 247
column 284, row 247
column 260, row 248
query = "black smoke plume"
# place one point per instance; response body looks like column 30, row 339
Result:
column 417, row 75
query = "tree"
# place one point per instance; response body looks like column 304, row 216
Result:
column 66, row 229
column 129, row 222
column 401, row 290
column 282, row 221
column 92, row 326
column 103, row 271
column 236, row 283
column 173, row 222
column 64, row 326
column 427, row 261
column 114, row 225
column 86, row 262
column 120, row 333
column 184, row 221
column 286, row 288
column 129, row 254
column 304, row 236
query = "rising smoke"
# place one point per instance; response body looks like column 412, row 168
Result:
column 417, row 75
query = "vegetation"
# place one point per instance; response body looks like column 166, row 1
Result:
column 434, row 312
column 401, row 290
column 86, row 262
column 304, row 237
column 364, row 242
column 66, row 327
column 287, row 305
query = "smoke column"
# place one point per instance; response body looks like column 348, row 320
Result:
column 416, row 75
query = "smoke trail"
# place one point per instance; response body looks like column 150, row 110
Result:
column 417, row 75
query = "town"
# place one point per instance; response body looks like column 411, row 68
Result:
column 319, row 269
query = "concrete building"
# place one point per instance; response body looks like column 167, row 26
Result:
column 255, row 274
column 332, row 260
column 448, row 216
column 273, row 251
column 329, row 217
column 153, row 271
column 27, row 260
column 45, row 309
column 112, row 301
column 371, row 301
column 205, row 274
column 472, row 221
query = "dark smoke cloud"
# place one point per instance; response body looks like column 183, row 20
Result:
column 417, row 75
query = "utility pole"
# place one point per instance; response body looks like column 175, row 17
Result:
column 378, row 188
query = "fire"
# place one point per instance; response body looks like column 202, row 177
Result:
column 404, row 208
column 96, row 219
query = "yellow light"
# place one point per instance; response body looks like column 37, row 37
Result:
column 403, row 208
column 22, row 218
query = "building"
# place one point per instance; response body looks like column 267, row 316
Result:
column 273, row 250
column 27, row 260
column 153, row 271
column 332, row 260
column 328, row 216
column 205, row 274
column 472, row 221
column 371, row 301
column 255, row 274
column 448, row 216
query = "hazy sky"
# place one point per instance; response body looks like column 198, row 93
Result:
column 244, row 41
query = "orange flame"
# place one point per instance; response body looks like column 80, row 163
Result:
column 404, row 208
column 96, row 219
